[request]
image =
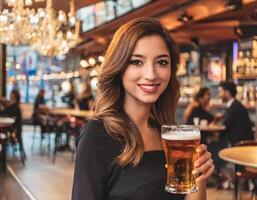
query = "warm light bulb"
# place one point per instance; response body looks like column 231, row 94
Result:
column 100, row 59
column 83, row 63
column 92, row 61
column 28, row 2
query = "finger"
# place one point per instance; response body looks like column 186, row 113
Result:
column 204, row 176
column 201, row 149
column 203, row 168
column 202, row 159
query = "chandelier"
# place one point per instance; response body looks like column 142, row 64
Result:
column 57, row 32
column 16, row 27
column 49, row 32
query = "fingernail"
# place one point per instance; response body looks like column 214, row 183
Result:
column 195, row 171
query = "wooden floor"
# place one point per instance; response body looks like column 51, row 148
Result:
column 10, row 189
column 48, row 181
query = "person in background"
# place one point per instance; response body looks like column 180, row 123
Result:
column 196, row 104
column 69, row 98
column 201, row 109
column 39, row 105
column 12, row 109
column 236, row 117
column 238, row 128
column 85, row 100
column 38, row 117
column 119, row 153
column 200, row 114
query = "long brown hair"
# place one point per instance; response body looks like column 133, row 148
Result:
column 110, row 97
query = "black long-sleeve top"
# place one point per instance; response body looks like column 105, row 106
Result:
column 98, row 177
column 201, row 114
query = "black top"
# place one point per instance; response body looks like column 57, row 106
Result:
column 38, row 101
column 201, row 113
column 98, row 177
column 35, row 116
column 237, row 122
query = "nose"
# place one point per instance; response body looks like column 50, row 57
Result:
column 149, row 72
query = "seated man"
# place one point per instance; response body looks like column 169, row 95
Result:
column 236, row 118
column 237, row 122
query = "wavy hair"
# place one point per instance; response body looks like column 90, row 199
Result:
column 110, row 97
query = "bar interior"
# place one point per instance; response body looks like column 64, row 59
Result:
column 50, row 53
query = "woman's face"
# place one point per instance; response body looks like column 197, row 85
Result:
column 148, row 72
column 207, row 97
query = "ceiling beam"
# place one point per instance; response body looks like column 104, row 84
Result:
column 200, row 10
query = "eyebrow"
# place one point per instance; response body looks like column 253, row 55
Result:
column 159, row 56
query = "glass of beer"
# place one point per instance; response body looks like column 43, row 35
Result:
column 180, row 143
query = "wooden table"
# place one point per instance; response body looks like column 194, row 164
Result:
column 6, row 120
column 5, row 125
column 245, row 155
column 71, row 120
column 241, row 155
column 72, row 112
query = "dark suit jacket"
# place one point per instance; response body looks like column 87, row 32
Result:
column 237, row 122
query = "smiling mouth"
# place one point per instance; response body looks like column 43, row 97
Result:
column 149, row 88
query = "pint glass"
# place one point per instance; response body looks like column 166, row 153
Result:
column 180, row 143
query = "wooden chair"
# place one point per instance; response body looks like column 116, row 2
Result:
column 16, row 140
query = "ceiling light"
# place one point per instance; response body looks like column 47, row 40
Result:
column 92, row 61
column 100, row 59
column 84, row 63
column 234, row 4
column 184, row 17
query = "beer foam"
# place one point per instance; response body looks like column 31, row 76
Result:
column 192, row 135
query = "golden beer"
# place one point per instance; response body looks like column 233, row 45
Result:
column 180, row 143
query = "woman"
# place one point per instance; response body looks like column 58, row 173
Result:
column 119, row 155
column 85, row 101
column 201, row 111
column 12, row 109
column 39, row 105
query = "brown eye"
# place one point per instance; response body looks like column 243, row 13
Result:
column 135, row 62
column 162, row 62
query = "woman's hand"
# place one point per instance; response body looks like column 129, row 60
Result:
column 204, row 164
